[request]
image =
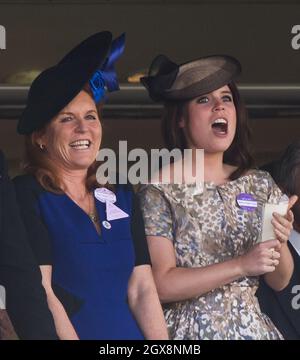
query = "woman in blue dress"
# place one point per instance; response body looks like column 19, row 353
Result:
column 88, row 239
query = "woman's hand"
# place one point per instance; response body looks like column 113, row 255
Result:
column 280, row 278
column 283, row 225
column 261, row 259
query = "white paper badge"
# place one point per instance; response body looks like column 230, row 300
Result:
column 113, row 212
column 104, row 195
column 106, row 224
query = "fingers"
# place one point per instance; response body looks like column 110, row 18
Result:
column 262, row 258
column 282, row 220
column 274, row 254
column 282, row 237
column 272, row 262
column 290, row 216
column 269, row 268
column 282, row 227
column 292, row 200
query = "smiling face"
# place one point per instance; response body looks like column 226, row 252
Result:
column 209, row 121
column 73, row 137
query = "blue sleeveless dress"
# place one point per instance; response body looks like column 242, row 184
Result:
column 90, row 272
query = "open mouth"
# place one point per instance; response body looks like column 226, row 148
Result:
column 220, row 126
column 80, row 144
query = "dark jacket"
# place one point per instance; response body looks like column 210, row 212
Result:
column 26, row 301
column 278, row 305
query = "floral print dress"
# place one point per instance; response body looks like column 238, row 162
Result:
column 207, row 226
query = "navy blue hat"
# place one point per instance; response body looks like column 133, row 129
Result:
column 168, row 81
column 90, row 61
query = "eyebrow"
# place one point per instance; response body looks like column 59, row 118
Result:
column 222, row 92
column 65, row 113
column 70, row 113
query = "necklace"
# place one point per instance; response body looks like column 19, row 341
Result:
column 92, row 215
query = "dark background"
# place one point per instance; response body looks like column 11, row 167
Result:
column 258, row 33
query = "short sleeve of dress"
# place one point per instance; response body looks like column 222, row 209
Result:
column 142, row 256
column 156, row 212
column 28, row 191
column 274, row 193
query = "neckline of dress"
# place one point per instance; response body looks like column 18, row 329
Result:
column 213, row 184
column 97, row 206
column 230, row 182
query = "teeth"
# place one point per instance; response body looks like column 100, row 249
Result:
column 220, row 121
column 81, row 144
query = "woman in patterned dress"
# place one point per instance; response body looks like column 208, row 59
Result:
column 204, row 246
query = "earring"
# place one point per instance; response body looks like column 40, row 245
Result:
column 42, row 146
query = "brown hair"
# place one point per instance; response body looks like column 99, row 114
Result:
column 38, row 164
column 237, row 154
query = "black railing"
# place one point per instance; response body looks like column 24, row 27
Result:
column 263, row 101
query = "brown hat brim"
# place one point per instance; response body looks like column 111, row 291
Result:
column 189, row 80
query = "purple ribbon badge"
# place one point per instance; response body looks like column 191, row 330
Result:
column 246, row 202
